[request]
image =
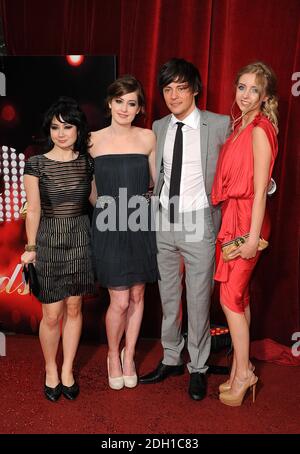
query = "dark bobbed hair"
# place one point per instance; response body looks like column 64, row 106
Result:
column 122, row 86
column 67, row 110
column 180, row 70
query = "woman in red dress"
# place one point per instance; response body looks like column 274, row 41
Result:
column 243, row 173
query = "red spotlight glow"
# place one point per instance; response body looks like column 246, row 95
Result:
column 75, row 60
column 8, row 113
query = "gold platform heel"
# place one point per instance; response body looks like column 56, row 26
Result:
column 226, row 386
column 235, row 399
column 254, row 390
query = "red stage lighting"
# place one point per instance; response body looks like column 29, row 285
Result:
column 75, row 60
column 8, row 113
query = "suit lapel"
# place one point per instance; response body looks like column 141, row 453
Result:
column 161, row 137
column 161, row 133
column 161, row 142
column 204, row 142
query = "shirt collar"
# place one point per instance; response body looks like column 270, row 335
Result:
column 192, row 120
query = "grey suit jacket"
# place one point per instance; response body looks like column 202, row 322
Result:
column 214, row 129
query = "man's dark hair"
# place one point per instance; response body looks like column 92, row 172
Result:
column 179, row 70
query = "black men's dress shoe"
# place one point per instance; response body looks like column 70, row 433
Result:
column 70, row 392
column 53, row 394
column 161, row 372
column 197, row 387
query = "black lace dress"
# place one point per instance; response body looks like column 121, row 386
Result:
column 63, row 259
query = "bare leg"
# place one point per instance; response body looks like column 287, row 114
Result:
column 133, row 325
column 248, row 318
column 239, row 330
column 115, row 327
column 233, row 367
column 71, row 331
column 49, row 338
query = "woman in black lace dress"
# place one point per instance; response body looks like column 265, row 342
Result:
column 58, row 186
column 124, row 246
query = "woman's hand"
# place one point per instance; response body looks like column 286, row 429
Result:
column 28, row 257
column 246, row 251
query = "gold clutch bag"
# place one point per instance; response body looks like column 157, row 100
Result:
column 231, row 246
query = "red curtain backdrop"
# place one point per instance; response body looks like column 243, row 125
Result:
column 218, row 36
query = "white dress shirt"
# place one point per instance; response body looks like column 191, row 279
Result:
column 192, row 189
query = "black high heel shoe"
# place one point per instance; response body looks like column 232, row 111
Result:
column 53, row 394
column 70, row 392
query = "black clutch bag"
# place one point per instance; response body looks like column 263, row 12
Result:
column 31, row 279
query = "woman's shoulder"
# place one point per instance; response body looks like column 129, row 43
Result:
column 263, row 130
column 98, row 133
column 145, row 134
column 35, row 158
column 147, row 139
column 35, row 161
column 96, row 139
column 34, row 165
column 145, row 131
column 261, row 121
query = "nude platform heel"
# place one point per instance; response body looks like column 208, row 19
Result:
column 130, row 381
column 226, row 386
column 236, row 399
column 114, row 382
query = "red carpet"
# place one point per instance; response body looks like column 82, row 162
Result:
column 163, row 408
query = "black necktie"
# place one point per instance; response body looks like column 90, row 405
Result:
column 176, row 174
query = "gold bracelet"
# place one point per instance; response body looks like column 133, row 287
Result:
column 30, row 247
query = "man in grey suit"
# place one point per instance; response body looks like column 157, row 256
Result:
column 188, row 145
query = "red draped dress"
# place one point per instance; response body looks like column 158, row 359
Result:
column 234, row 188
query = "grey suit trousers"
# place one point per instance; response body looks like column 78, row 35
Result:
column 198, row 258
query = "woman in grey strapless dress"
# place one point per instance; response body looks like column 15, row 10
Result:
column 124, row 247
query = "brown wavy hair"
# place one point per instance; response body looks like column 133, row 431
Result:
column 122, row 86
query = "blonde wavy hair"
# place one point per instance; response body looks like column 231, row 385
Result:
column 267, row 84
